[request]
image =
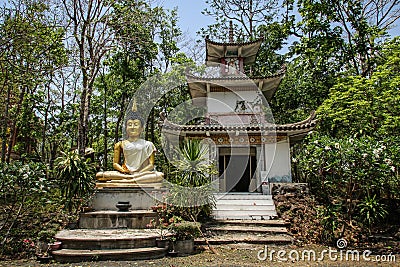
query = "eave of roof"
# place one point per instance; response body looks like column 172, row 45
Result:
column 267, row 85
column 289, row 129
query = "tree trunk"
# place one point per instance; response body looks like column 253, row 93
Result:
column 46, row 114
column 5, row 121
column 13, row 128
column 105, row 154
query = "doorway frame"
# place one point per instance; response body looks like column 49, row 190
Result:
column 222, row 177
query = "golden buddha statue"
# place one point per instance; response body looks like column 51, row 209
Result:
column 138, row 166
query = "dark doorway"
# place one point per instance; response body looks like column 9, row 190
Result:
column 237, row 170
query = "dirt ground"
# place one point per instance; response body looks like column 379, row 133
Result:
column 245, row 255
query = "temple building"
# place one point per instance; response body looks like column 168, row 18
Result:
column 250, row 149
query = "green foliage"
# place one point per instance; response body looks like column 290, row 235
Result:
column 366, row 106
column 345, row 172
column 371, row 211
column 331, row 221
column 76, row 179
column 184, row 230
column 30, row 208
column 31, row 51
column 191, row 188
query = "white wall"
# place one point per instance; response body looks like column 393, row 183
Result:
column 278, row 161
column 220, row 102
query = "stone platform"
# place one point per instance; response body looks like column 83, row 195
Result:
column 109, row 219
column 140, row 197
column 109, row 234
column 108, row 244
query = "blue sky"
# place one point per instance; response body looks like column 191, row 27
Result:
column 191, row 19
column 189, row 12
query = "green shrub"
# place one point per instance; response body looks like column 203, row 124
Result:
column 184, row 230
column 344, row 173
column 76, row 179
column 30, row 204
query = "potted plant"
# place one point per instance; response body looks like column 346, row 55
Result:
column 162, row 228
column 43, row 252
column 183, row 235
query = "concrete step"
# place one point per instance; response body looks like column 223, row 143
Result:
column 107, row 238
column 278, row 223
column 245, row 207
column 75, row 255
column 281, row 239
column 251, row 202
column 247, row 229
column 243, row 196
column 244, row 214
column 107, row 219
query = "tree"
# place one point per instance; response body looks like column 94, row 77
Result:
column 347, row 31
column 359, row 106
column 146, row 43
column 90, row 29
column 246, row 15
column 32, row 51
column 332, row 39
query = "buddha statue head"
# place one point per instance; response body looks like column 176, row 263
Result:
column 133, row 125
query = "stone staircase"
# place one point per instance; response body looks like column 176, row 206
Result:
column 246, row 218
column 110, row 235
column 244, row 206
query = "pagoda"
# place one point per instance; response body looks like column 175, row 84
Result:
column 250, row 149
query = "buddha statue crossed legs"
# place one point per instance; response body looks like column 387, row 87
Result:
column 138, row 166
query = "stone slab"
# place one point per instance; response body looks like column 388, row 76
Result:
column 283, row 188
column 281, row 239
column 72, row 255
column 281, row 223
column 249, row 229
column 141, row 198
column 116, row 219
column 107, row 238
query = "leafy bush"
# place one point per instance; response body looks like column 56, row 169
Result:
column 30, row 208
column 76, row 179
column 345, row 173
column 371, row 211
column 184, row 230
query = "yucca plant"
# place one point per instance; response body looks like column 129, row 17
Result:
column 192, row 191
column 193, row 167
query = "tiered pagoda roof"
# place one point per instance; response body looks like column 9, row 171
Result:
column 216, row 50
column 267, row 85
column 232, row 80
column 220, row 53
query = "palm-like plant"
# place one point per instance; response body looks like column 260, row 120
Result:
column 371, row 211
column 191, row 189
column 194, row 168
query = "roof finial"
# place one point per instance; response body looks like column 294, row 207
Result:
column 230, row 31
